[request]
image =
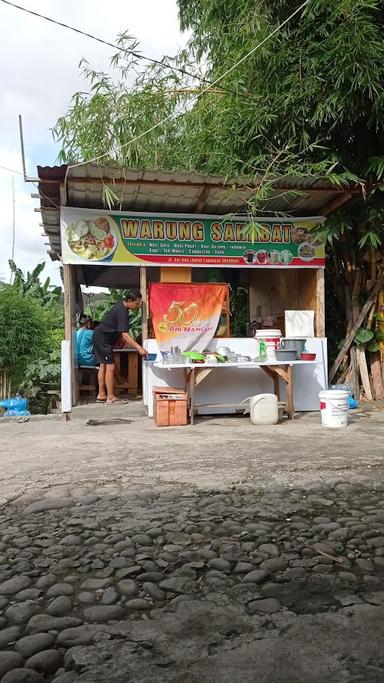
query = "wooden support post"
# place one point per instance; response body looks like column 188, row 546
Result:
column 320, row 303
column 144, row 294
column 69, row 322
column 69, row 308
column 290, row 406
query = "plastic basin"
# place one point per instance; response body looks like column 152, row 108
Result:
column 282, row 354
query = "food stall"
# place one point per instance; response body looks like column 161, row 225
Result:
column 185, row 230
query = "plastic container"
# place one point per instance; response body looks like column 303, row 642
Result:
column 283, row 354
column 263, row 409
column 272, row 340
column 352, row 403
column 15, row 407
column 334, row 408
column 150, row 357
column 293, row 344
column 262, row 355
column 223, row 351
column 308, row 356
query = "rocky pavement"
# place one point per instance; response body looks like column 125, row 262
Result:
column 179, row 585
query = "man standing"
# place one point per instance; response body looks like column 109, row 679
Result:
column 114, row 325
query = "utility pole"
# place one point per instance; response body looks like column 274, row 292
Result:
column 13, row 224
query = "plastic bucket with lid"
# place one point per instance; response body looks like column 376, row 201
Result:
column 272, row 339
column 334, row 408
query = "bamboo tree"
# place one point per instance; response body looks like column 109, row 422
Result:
column 309, row 101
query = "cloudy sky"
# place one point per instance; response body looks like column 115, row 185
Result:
column 39, row 74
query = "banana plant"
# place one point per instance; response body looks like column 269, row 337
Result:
column 29, row 284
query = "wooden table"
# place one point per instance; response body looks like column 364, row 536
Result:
column 196, row 373
column 128, row 381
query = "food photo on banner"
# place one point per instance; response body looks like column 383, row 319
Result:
column 124, row 238
column 185, row 315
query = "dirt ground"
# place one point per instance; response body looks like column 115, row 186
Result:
column 218, row 553
column 126, row 447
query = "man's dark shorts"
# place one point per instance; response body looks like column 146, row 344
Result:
column 103, row 351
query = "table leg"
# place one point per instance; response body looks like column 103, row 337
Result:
column 133, row 365
column 276, row 386
column 290, row 406
column 117, row 361
column 192, row 395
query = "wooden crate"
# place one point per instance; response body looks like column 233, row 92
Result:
column 171, row 407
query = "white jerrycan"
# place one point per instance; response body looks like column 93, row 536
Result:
column 263, row 409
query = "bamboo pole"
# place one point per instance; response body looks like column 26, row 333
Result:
column 5, row 384
column 354, row 381
column 320, row 303
column 144, row 294
column 341, row 355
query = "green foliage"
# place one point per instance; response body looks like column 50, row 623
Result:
column 363, row 336
column 115, row 110
column 23, row 324
column 110, row 198
column 308, row 102
column 32, row 327
column 370, row 339
column 29, row 284
column 238, row 302
column 98, row 309
column 41, row 376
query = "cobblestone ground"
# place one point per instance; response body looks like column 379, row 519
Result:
column 183, row 586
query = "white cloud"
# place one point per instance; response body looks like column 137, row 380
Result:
column 29, row 244
column 39, row 74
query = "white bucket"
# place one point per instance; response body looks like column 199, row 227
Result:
column 334, row 408
column 272, row 340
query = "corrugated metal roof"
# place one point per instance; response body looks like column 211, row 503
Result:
column 179, row 192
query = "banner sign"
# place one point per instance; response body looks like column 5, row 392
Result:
column 123, row 238
column 185, row 315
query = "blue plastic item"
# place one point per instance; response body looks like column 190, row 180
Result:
column 352, row 403
column 150, row 357
column 15, row 407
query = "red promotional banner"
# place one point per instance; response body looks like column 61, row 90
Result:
column 185, row 315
